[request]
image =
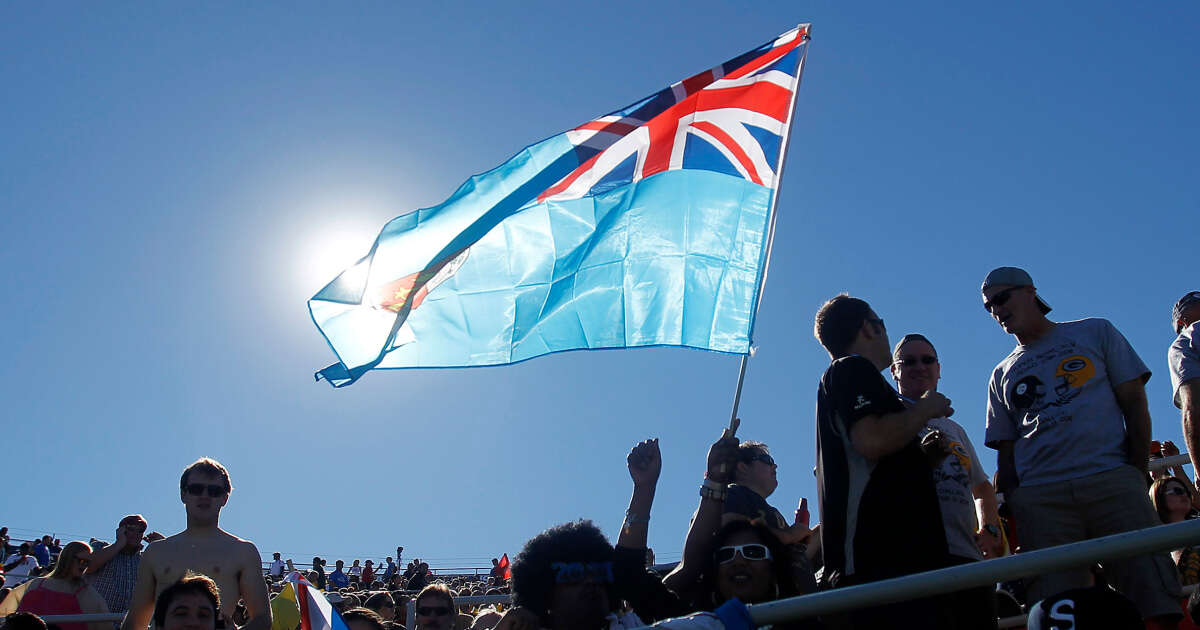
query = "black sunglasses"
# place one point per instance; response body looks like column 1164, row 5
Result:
column 877, row 321
column 764, row 458
column 749, row 551
column 198, row 489
column 1176, row 490
column 433, row 611
column 1000, row 299
column 911, row 361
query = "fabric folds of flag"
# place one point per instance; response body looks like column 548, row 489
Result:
column 648, row 226
column 316, row 613
column 505, row 567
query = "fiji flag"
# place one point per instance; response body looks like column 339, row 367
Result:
column 648, row 226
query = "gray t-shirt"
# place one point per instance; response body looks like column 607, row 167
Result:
column 1184, row 358
column 958, row 473
column 1054, row 399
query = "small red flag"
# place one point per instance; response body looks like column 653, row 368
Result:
column 505, row 568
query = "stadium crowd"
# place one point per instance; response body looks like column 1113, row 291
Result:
column 902, row 490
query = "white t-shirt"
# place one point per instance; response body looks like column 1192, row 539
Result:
column 277, row 568
column 955, row 476
column 20, row 573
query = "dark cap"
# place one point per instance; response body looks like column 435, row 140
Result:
column 1187, row 301
column 1095, row 607
column 912, row 337
column 1016, row 277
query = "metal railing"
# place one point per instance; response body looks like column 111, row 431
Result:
column 1153, row 539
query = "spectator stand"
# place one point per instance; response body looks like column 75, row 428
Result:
column 1153, row 539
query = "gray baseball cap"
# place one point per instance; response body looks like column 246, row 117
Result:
column 1016, row 277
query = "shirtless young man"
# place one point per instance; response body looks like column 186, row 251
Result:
column 203, row 548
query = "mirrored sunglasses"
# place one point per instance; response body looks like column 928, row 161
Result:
column 911, row 361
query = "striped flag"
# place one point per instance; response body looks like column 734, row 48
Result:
column 316, row 613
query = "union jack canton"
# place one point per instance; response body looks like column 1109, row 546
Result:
column 738, row 109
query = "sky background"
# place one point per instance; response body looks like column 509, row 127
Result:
column 177, row 180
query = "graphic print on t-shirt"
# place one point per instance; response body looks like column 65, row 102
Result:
column 1039, row 405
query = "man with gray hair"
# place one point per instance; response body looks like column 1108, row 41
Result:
column 1067, row 413
column 1184, row 361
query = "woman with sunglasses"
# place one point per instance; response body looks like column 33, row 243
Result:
column 1172, row 499
column 63, row 592
column 740, row 560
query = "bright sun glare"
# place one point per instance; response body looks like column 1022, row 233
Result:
column 331, row 249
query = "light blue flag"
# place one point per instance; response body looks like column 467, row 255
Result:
column 649, row 226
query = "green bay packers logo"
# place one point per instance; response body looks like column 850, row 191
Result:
column 1074, row 372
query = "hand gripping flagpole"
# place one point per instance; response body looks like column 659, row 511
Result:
column 802, row 31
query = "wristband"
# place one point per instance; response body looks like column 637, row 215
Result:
column 633, row 518
column 709, row 492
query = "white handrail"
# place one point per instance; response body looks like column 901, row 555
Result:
column 1167, row 462
column 1152, row 539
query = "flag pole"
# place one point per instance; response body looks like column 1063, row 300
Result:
column 803, row 31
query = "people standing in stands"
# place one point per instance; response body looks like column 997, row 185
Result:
column 420, row 576
column 879, row 507
column 968, row 502
column 20, row 566
column 339, row 579
column 368, row 574
column 754, row 479
column 113, row 570
column 277, row 565
column 63, row 592
column 203, row 547
column 389, row 569
column 1067, row 414
column 41, row 550
column 355, row 571
column 1183, row 358
column 319, row 568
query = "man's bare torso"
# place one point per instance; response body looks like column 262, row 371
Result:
column 223, row 557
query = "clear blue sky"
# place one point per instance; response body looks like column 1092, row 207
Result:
column 176, row 180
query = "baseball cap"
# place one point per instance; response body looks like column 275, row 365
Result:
column 1094, row 607
column 1016, row 277
column 1185, row 302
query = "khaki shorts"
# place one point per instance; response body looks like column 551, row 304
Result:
column 1110, row 502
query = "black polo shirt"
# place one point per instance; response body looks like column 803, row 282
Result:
column 879, row 519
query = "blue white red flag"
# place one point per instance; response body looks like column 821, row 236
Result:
column 648, row 226
column 316, row 613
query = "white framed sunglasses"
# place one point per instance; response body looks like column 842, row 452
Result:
column 749, row 551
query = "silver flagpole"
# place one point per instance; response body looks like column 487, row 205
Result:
column 803, row 31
